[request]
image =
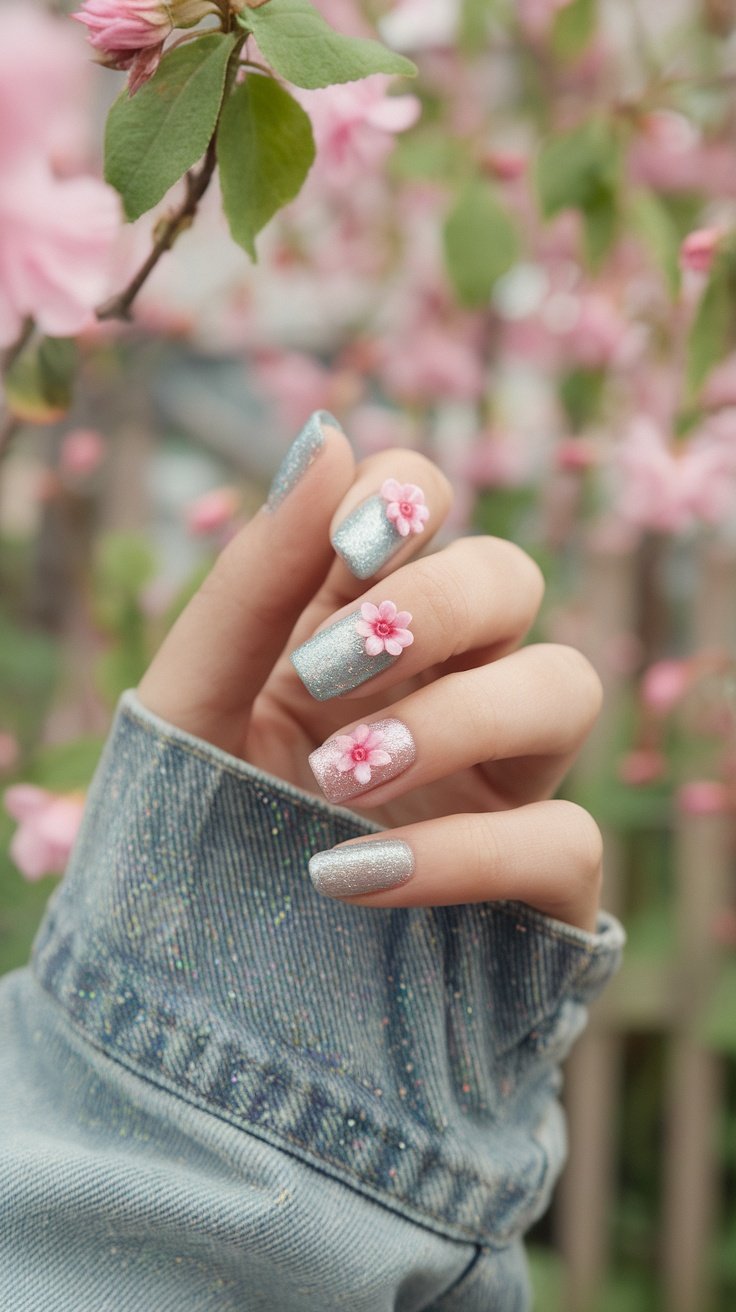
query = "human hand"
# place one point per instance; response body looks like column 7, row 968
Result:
column 473, row 731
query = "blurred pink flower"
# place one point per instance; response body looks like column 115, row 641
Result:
column 697, row 251
column 130, row 34
column 9, row 750
column 43, row 80
column 704, row 797
column 433, row 362
column 644, row 765
column 56, row 238
column 354, row 124
column 297, row 384
column 670, row 156
column 506, row 165
column 213, row 510
column 576, row 454
column 596, row 335
column 671, row 488
column 48, row 824
column 82, row 451
column 664, row 684
column 537, row 16
column 498, row 460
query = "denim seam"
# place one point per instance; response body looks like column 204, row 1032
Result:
column 455, row 1230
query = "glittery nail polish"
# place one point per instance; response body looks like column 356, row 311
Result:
column 350, row 764
column 303, row 450
column 372, row 533
column 352, row 650
column 365, row 867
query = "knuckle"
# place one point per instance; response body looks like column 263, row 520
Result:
column 497, row 556
column 575, row 670
column 585, row 843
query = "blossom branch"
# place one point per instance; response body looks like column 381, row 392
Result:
column 197, row 182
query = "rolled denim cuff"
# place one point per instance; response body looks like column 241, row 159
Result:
column 410, row 1053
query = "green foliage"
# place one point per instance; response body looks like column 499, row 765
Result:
column 29, row 667
column 581, row 170
column 123, row 567
column 265, row 149
column 574, row 27
column 304, row 49
column 40, row 383
column 480, row 244
column 655, row 225
column 718, row 1028
column 714, row 329
column 153, row 137
column 581, row 393
column 427, row 154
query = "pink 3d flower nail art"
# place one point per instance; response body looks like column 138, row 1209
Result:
column 384, row 628
column 405, row 506
column 361, row 750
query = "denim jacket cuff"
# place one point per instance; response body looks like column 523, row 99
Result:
column 411, row 1053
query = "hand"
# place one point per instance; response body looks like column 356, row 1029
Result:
column 481, row 730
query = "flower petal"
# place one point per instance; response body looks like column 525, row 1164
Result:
column 370, row 612
column 403, row 619
column 387, row 611
column 379, row 757
column 403, row 525
column 364, row 628
column 374, row 739
column 361, row 733
column 412, row 492
column 24, row 800
column 362, row 773
column 344, row 765
column 393, row 647
column 391, row 489
column 403, row 636
column 374, row 646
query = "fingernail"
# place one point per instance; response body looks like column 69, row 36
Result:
column 362, row 867
column 303, row 450
column 352, row 650
column 373, row 532
column 350, row 764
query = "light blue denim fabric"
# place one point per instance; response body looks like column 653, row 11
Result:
column 222, row 1091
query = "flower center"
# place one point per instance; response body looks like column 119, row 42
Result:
column 406, row 509
column 383, row 628
column 359, row 753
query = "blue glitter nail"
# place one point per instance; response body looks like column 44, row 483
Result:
column 303, row 450
column 335, row 661
column 367, row 539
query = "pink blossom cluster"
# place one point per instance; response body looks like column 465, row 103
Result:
column 48, row 824
column 57, row 225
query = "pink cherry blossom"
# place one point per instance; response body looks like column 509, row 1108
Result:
column 56, row 238
column 213, row 510
column 48, row 824
column 672, row 487
column 384, row 628
column 405, row 506
column 644, row 765
column 43, row 88
column 537, row 16
column 704, row 797
column 354, row 124
column 698, row 250
column 82, row 451
column 361, row 750
column 114, row 26
column 9, row 750
column 664, row 684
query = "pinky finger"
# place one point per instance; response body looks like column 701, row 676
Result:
column 547, row 854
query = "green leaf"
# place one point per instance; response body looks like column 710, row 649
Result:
column 265, row 149
column 712, row 330
column 581, row 170
column 303, row 48
column 574, row 28
column 654, row 224
column 153, row 137
column 480, row 244
column 573, row 169
column 39, row 386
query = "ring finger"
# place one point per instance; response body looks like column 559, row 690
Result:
column 525, row 715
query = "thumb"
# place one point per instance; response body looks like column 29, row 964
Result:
column 222, row 648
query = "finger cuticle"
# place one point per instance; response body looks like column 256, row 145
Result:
column 350, row 764
column 366, row 867
column 372, row 533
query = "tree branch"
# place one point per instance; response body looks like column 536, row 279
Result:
column 197, row 182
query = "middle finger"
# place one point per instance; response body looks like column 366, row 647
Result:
column 479, row 593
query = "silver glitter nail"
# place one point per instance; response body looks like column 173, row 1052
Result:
column 335, row 660
column 367, row 538
column 362, row 867
column 303, row 450
column 391, row 738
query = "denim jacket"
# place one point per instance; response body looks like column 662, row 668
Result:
column 220, row 1090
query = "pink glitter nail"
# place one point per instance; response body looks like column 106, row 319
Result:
column 351, row 764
